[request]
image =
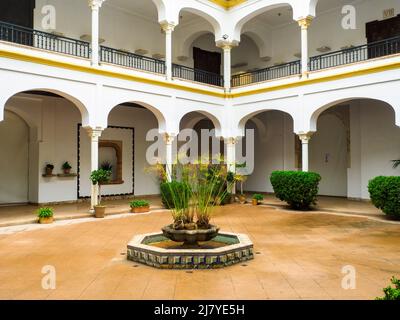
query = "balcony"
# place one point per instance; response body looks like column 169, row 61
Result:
column 77, row 48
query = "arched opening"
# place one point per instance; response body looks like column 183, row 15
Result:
column 274, row 147
column 39, row 129
column 123, row 145
column 355, row 141
column 196, row 49
column 275, row 33
column 206, row 144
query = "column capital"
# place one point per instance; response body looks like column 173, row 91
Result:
column 231, row 140
column 168, row 26
column 226, row 45
column 95, row 4
column 169, row 138
column 94, row 133
column 304, row 23
column 305, row 137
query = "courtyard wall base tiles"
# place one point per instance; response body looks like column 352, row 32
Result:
column 161, row 258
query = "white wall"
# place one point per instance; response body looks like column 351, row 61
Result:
column 328, row 155
column 14, row 159
column 274, row 149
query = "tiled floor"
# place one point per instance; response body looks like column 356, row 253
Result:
column 300, row 256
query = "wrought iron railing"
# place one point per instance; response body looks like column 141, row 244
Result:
column 270, row 73
column 43, row 40
column 183, row 72
column 131, row 60
column 355, row 54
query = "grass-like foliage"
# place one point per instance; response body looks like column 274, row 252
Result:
column 194, row 192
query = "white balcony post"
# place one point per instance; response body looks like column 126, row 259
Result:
column 169, row 142
column 227, row 66
column 168, row 29
column 304, row 24
column 94, row 135
column 305, row 139
column 95, row 7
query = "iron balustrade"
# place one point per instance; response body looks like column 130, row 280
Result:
column 197, row 75
column 270, row 73
column 356, row 54
column 43, row 40
column 131, row 60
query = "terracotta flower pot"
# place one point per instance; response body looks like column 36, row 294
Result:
column 140, row 209
column 254, row 202
column 242, row 199
column 47, row 220
column 49, row 171
column 67, row 171
column 99, row 211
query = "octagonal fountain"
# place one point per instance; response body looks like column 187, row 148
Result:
column 156, row 250
column 191, row 241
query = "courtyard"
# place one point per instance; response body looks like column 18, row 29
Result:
column 298, row 255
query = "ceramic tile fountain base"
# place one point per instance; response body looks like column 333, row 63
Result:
column 153, row 249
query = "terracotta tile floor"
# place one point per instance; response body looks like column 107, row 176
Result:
column 301, row 256
column 25, row 214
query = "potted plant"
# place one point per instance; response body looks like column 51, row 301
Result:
column 49, row 169
column 66, row 168
column 98, row 177
column 139, row 206
column 45, row 215
column 257, row 198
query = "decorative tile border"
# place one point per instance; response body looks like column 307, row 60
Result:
column 162, row 258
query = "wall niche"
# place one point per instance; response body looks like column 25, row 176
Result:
column 110, row 151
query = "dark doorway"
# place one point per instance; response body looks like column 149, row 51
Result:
column 385, row 32
column 207, row 60
column 17, row 12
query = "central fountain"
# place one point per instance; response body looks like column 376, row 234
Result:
column 186, row 244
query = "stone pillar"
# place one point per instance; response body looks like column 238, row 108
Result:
column 227, row 66
column 304, row 24
column 95, row 7
column 231, row 157
column 305, row 139
column 168, row 29
column 94, row 135
column 169, row 151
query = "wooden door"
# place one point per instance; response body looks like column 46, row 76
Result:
column 380, row 31
column 207, row 60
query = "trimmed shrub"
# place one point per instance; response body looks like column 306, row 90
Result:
column 180, row 190
column 298, row 189
column 385, row 195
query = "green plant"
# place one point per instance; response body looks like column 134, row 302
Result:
column 258, row 197
column 298, row 189
column 98, row 177
column 139, row 203
column 390, row 292
column 49, row 166
column 66, row 166
column 198, row 190
column 396, row 164
column 106, row 165
column 384, row 193
column 45, row 212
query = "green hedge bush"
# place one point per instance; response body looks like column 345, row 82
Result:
column 181, row 190
column 385, row 195
column 298, row 189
